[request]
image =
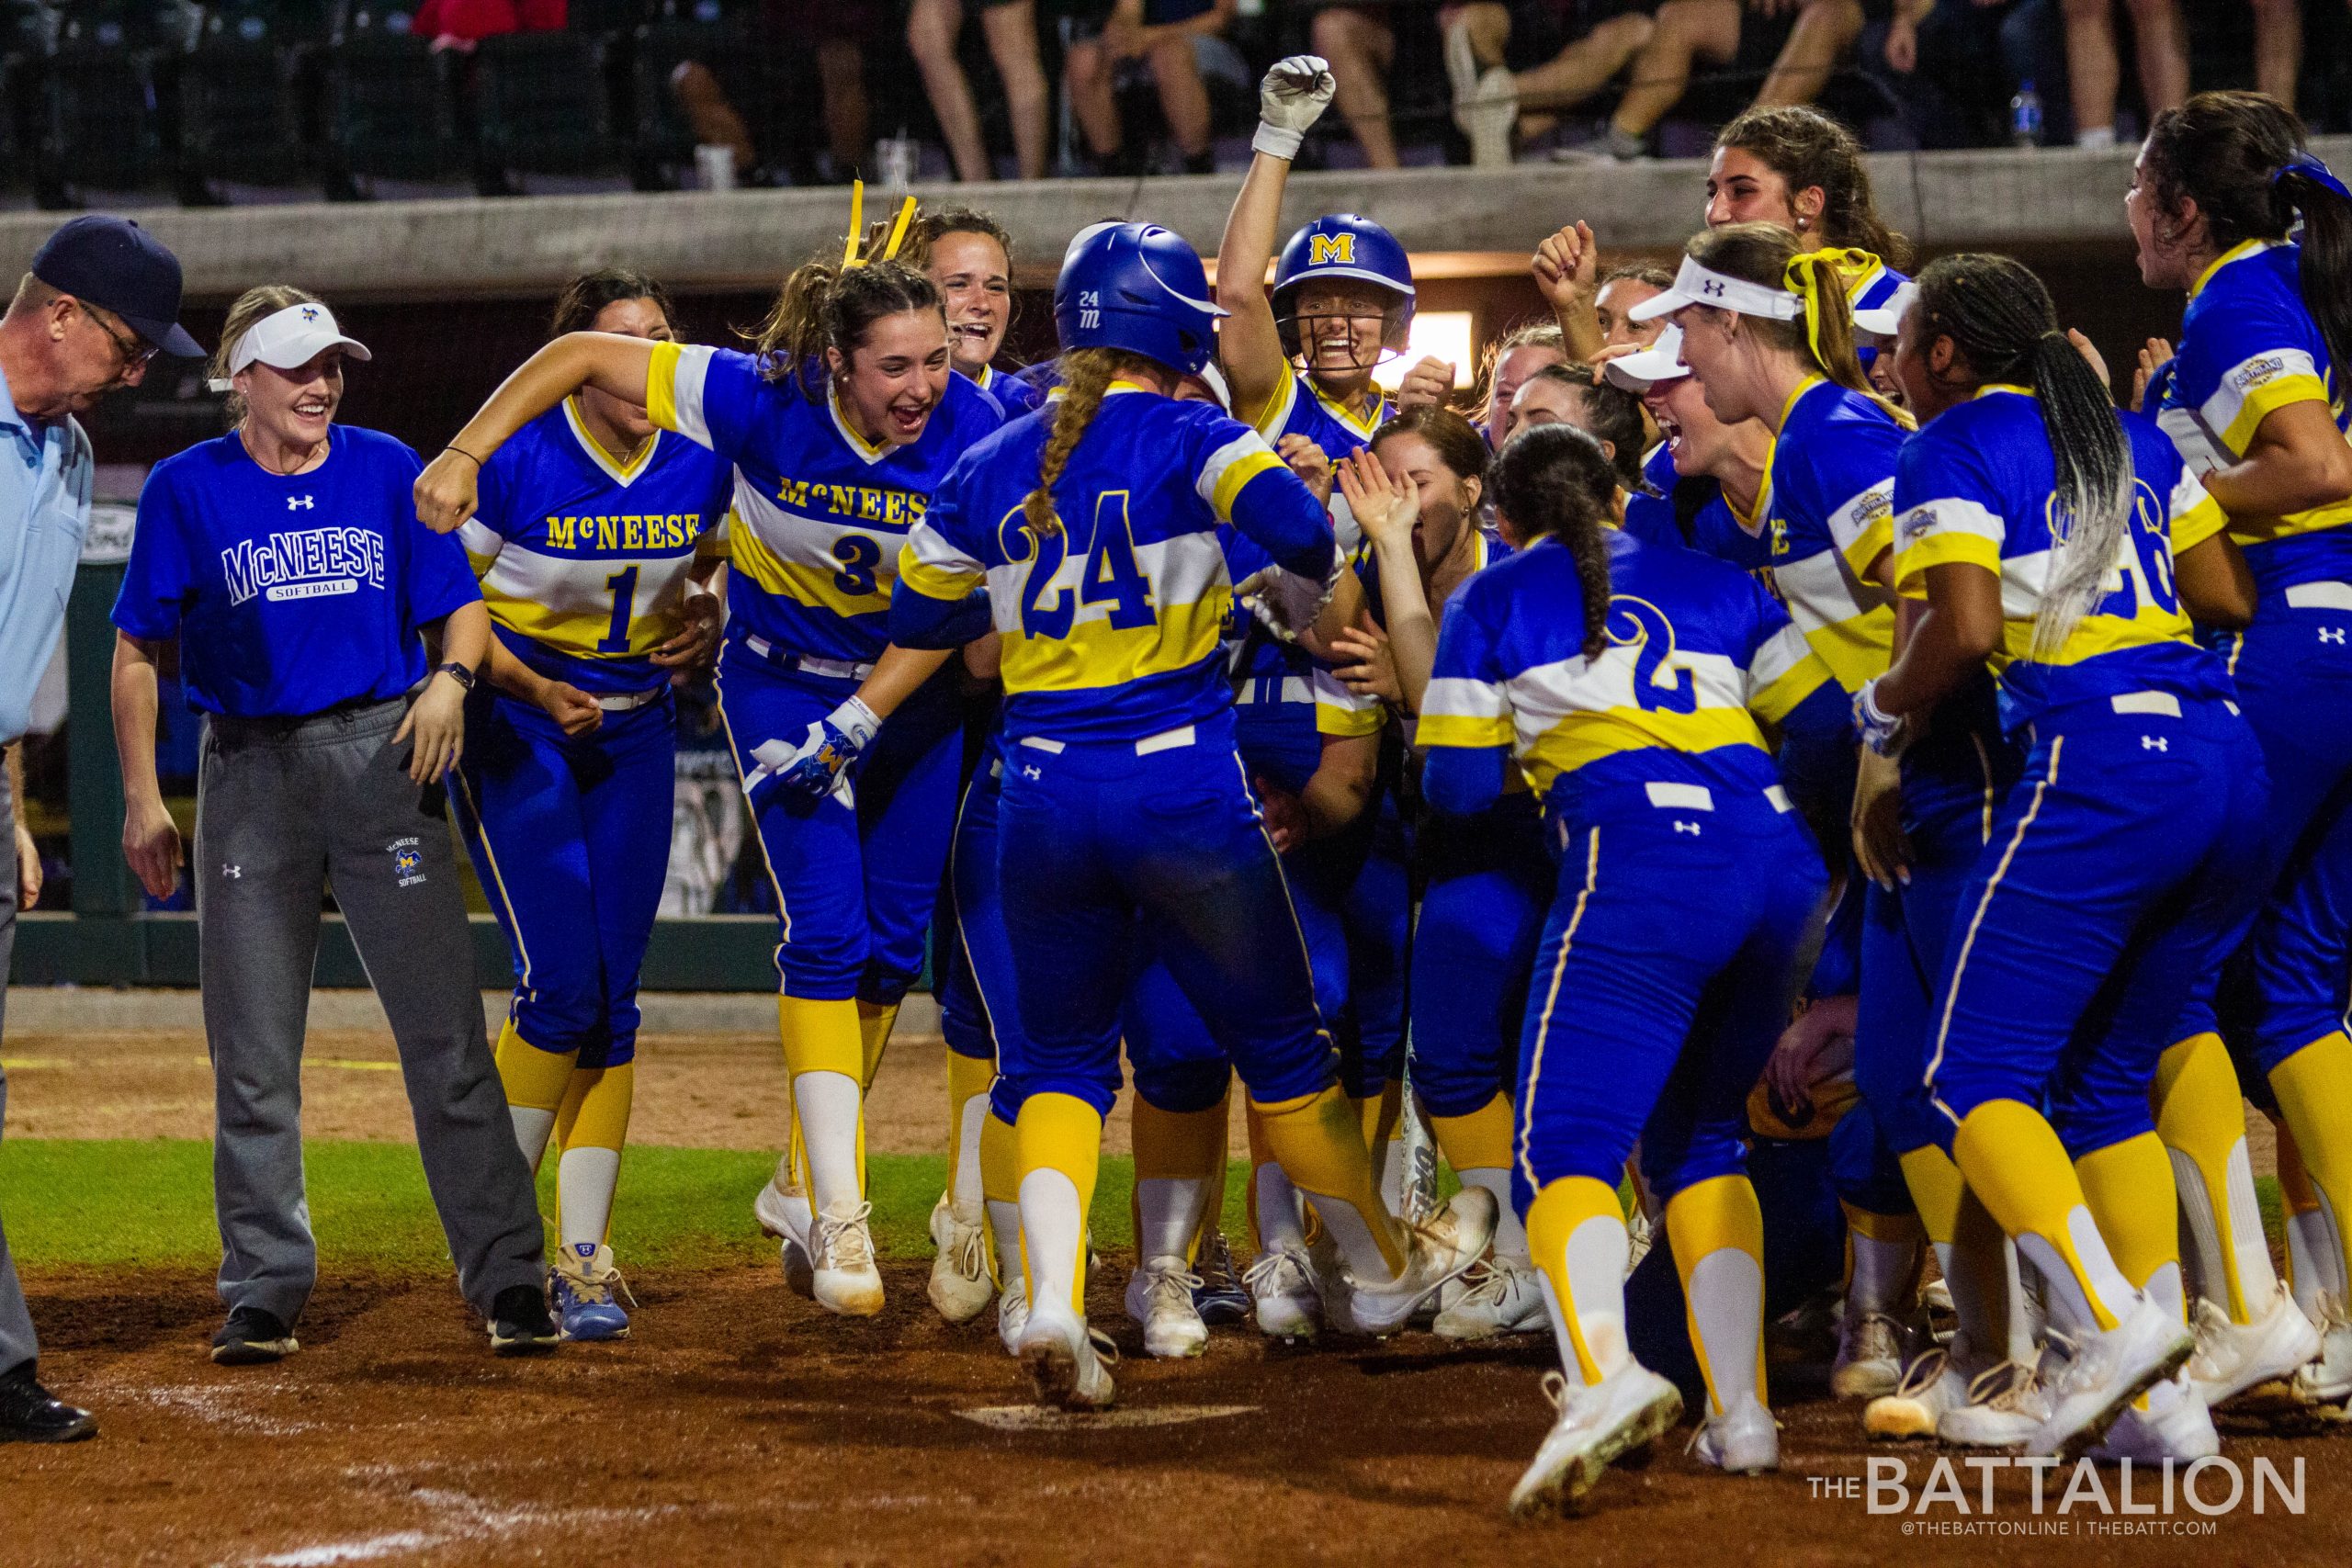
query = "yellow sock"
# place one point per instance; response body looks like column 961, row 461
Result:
column 1717, row 1232
column 596, row 1107
column 2296, row 1193
column 2128, row 1189
column 1058, row 1134
column 2200, row 1116
column 532, row 1079
column 1318, row 1142
column 1576, row 1236
column 1212, row 1213
column 1479, row 1141
column 1183, row 1151
column 1976, row 1258
column 2014, row 1162
column 2314, row 1090
column 969, row 1079
column 822, row 1035
column 874, row 1021
column 1936, row 1187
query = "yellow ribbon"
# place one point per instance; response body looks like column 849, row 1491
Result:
column 1847, row 265
column 849, row 258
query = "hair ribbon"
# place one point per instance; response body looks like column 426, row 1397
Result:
column 2311, row 167
column 849, row 258
column 1847, row 266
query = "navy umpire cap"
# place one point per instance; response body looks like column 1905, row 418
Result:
column 113, row 262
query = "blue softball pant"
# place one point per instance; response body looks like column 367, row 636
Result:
column 2287, row 986
column 1097, row 839
column 2124, row 865
column 855, row 887
column 1482, row 907
column 1374, row 858
column 1664, row 977
column 570, row 839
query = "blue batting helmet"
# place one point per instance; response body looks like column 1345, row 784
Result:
column 1344, row 244
column 1139, row 287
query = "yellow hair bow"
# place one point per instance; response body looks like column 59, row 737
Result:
column 1846, row 264
column 849, row 258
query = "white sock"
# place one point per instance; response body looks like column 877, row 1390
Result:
column 2098, row 136
column 1727, row 1311
column 1881, row 1274
column 1511, row 1237
column 1168, row 1215
column 1052, row 1238
column 1004, row 1225
column 828, row 1103
column 584, row 1179
column 965, row 1193
column 2064, row 1291
column 532, row 1126
column 1594, row 1262
column 1281, row 1224
column 2163, row 1288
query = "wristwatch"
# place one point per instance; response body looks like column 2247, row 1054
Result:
column 464, row 676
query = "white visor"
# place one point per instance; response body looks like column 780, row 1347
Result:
column 1695, row 285
column 1885, row 321
column 1662, row 361
column 293, row 337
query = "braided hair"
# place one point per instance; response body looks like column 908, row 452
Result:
column 2242, row 158
column 1086, row 377
column 2000, row 318
column 1553, row 479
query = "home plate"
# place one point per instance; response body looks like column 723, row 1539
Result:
column 1037, row 1419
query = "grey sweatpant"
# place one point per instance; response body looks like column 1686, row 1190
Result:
column 16, row 1343
column 283, row 808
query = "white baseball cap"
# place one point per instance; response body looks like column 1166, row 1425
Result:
column 1885, row 321
column 1662, row 361
column 293, row 337
column 1696, row 285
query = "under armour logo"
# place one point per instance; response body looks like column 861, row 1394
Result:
column 300, row 503
column 1031, row 773
column 1689, row 828
column 1713, row 288
column 2155, row 743
column 2332, row 634
column 231, row 873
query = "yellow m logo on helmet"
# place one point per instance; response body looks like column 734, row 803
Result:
column 1326, row 250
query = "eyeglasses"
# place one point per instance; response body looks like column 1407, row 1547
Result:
column 134, row 352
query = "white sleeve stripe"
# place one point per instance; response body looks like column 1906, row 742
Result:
column 1456, row 698
column 686, row 390
column 2220, row 411
column 1952, row 515
column 2187, row 494
column 1781, row 652
column 479, row 538
column 1247, row 443
column 932, row 548
column 1859, row 510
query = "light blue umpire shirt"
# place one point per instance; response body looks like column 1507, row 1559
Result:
column 46, row 476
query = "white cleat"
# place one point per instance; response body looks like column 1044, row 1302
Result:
column 1159, row 1296
column 1444, row 1245
column 841, row 1252
column 1282, row 1285
column 2177, row 1424
column 782, row 1211
column 2328, row 1380
column 1931, row 1385
column 1870, row 1356
column 960, row 1286
column 2004, row 1405
column 1065, row 1361
column 2232, row 1357
column 1641, row 1236
column 2107, row 1372
column 1501, row 1295
column 1598, row 1424
column 1743, row 1440
column 1011, row 1316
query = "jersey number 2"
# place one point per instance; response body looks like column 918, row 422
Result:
column 1109, row 576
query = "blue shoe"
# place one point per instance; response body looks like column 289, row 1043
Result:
column 1222, row 1300
column 585, row 1285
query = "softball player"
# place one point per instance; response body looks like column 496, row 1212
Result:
column 839, row 424
column 967, row 255
column 2123, row 864
column 1123, row 796
column 587, row 546
column 1792, row 165
column 2255, row 407
column 1630, row 683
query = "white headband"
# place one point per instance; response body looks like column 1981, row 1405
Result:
column 1662, row 361
column 1696, row 285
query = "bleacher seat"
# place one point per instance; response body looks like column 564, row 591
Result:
column 98, row 125
column 385, row 113
column 238, row 120
column 279, row 22
column 542, row 106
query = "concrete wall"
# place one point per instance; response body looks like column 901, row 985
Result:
column 750, row 238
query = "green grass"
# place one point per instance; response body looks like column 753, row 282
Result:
column 134, row 1204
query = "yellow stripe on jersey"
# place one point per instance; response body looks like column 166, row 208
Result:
column 817, row 586
column 1869, row 544
column 1338, row 711
column 2196, row 517
column 1942, row 549
column 1229, row 468
column 1582, row 738
column 1276, row 414
column 1854, row 638
column 1470, row 731
column 578, row 632
column 935, row 582
column 2279, row 376
column 1784, row 673
column 1095, row 653
column 660, row 386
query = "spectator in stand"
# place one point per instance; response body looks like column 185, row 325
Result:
column 2277, row 48
column 1165, row 34
column 460, row 24
column 1795, row 44
column 1520, row 63
column 1010, row 28
column 1361, row 45
column 2095, row 73
column 837, row 32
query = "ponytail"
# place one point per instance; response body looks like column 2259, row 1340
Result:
column 833, row 304
column 2307, row 187
column 1087, row 374
column 1767, row 255
column 1553, row 479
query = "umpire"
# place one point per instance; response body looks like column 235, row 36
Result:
column 101, row 300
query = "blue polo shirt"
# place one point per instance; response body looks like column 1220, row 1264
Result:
column 291, row 594
column 46, row 472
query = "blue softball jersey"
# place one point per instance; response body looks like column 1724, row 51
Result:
column 1828, row 510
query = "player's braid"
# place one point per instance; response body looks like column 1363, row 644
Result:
column 1999, row 316
column 1554, row 478
column 1087, row 374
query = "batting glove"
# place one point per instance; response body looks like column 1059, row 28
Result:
column 1882, row 732
column 1291, row 98
column 1286, row 603
column 819, row 766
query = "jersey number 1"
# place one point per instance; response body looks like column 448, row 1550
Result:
column 624, row 587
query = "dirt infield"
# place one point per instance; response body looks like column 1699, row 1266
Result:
column 742, row 1424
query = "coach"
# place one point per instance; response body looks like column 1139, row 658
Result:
column 101, row 300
